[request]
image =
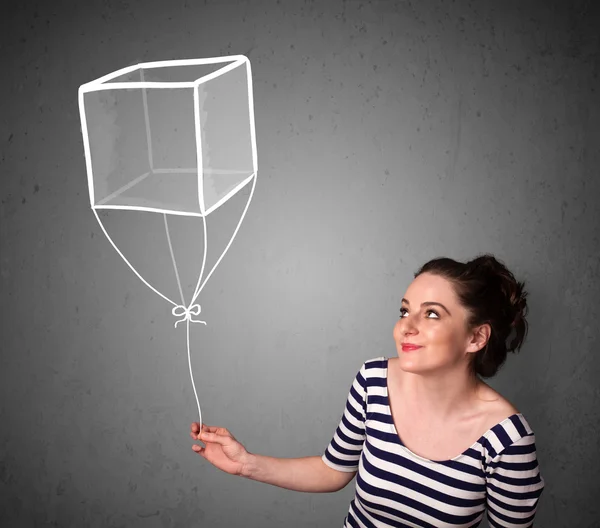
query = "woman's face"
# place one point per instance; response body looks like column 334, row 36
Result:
column 439, row 328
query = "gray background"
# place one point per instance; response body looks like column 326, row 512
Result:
column 388, row 134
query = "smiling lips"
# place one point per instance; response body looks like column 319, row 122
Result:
column 407, row 347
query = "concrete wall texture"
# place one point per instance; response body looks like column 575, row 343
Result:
column 388, row 133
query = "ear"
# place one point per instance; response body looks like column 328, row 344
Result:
column 479, row 338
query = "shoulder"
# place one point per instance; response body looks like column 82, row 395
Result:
column 371, row 372
column 374, row 367
column 511, row 435
column 497, row 407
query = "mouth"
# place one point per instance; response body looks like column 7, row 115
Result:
column 410, row 348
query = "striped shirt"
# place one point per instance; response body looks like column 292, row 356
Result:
column 395, row 487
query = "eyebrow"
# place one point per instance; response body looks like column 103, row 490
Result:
column 429, row 303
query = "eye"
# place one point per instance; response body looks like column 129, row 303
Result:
column 402, row 310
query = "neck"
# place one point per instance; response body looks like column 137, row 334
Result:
column 439, row 397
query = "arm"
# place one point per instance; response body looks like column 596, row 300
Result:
column 312, row 474
column 514, row 485
column 307, row 474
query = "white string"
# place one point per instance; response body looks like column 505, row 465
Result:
column 128, row 263
column 147, row 123
column 174, row 263
column 191, row 374
column 198, row 290
column 186, row 312
column 180, row 310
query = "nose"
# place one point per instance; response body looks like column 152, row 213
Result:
column 407, row 327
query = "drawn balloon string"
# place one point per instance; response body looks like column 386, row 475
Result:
column 187, row 312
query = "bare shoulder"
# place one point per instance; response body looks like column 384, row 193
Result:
column 498, row 407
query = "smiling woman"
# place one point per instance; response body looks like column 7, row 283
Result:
column 432, row 444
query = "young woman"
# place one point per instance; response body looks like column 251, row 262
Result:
column 431, row 443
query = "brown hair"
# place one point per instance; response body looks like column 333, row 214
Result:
column 490, row 294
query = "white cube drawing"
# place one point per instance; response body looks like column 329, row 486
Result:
column 173, row 137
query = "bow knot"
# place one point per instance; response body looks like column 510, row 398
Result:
column 186, row 312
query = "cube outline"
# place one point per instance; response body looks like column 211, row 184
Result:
column 100, row 84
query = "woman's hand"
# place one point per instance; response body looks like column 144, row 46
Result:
column 222, row 449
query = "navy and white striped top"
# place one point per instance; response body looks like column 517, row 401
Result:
column 395, row 487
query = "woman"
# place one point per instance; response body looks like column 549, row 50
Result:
column 433, row 445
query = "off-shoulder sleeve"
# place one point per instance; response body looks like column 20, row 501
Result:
column 343, row 452
column 514, row 485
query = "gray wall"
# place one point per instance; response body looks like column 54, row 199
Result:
column 388, row 134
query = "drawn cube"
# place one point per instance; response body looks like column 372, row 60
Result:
column 173, row 137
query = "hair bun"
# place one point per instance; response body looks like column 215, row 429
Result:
column 496, row 272
column 518, row 300
column 487, row 266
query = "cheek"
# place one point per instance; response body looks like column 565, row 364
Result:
column 396, row 331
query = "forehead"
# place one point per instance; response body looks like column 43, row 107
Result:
column 428, row 287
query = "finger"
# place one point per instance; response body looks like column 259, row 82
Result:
column 198, row 449
column 213, row 437
column 195, row 427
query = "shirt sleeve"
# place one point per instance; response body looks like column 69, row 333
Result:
column 514, row 485
column 344, row 450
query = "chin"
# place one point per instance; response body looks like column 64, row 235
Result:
column 408, row 364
